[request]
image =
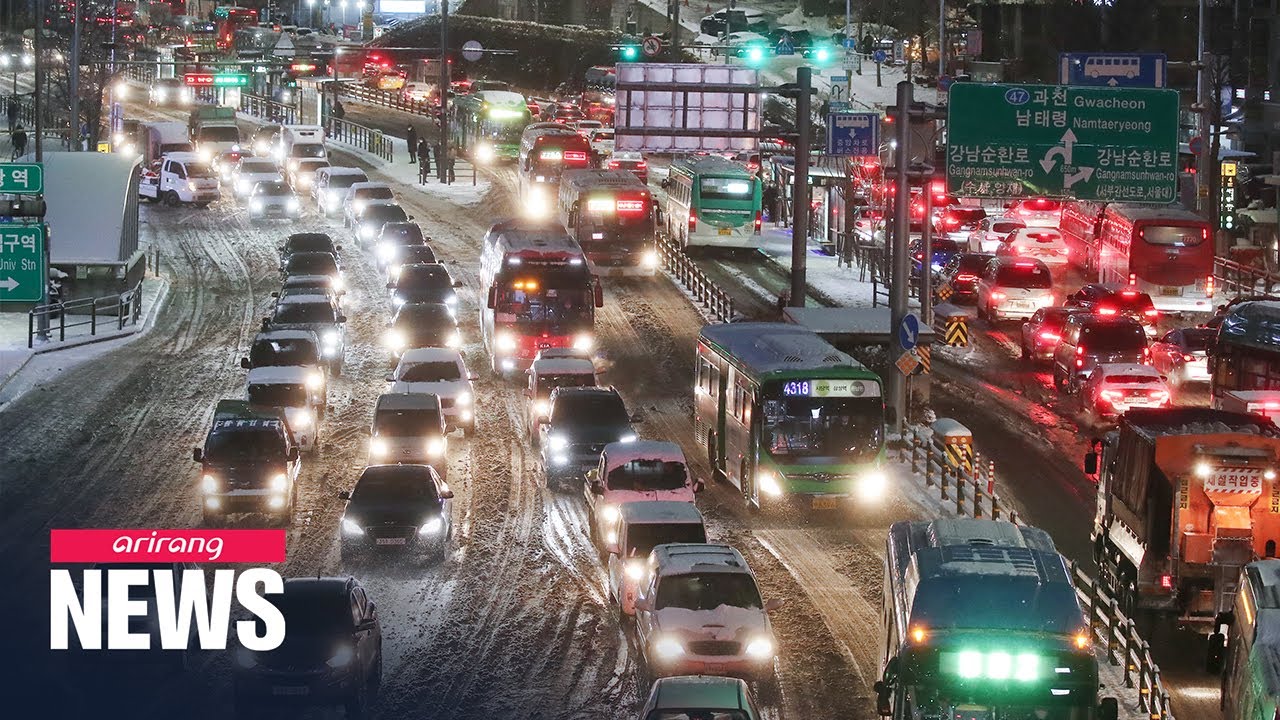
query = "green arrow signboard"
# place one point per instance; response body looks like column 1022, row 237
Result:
column 1094, row 143
column 21, row 263
column 21, row 178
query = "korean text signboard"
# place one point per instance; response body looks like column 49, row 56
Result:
column 1091, row 143
column 855, row 134
column 21, row 263
column 21, row 178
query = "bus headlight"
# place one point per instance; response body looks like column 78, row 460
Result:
column 377, row 448
column 435, row 447
column 610, row 514
column 484, row 153
column 315, row 380
column 209, row 484
column 760, row 648
column 506, row 342
column 540, row 407
column 280, row 482
column 454, row 340
column 583, row 342
column 557, row 442
column 649, row 260
column 871, row 486
column 768, row 483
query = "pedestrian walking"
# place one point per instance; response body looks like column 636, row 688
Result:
column 12, row 112
column 423, row 171
column 19, row 138
column 770, row 198
column 424, row 156
column 411, row 137
column 452, row 179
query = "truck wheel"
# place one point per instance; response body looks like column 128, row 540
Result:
column 171, row 199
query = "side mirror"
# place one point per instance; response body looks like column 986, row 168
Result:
column 244, row 363
column 492, row 301
column 197, row 454
column 342, row 319
column 294, row 454
column 457, row 283
column 1091, row 463
column 774, row 604
column 446, row 494
column 597, row 487
column 593, row 475
column 644, row 603
column 344, row 495
column 266, row 324
column 699, row 486
column 390, row 377
column 883, row 692
column 636, row 417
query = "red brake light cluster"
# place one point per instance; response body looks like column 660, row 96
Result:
column 1166, row 582
column 1107, row 311
column 631, row 206
column 759, row 221
column 575, row 155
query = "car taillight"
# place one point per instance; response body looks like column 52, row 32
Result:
column 1209, row 286
column 759, row 221
column 919, row 256
column 642, row 165
column 1079, row 356
column 1133, row 278
column 1166, row 582
column 1146, row 356
column 614, row 164
column 1106, row 311
column 1151, row 312
column 1110, row 395
column 966, row 277
column 693, row 221
column 1050, row 336
column 1160, row 396
column 997, row 295
column 1188, row 358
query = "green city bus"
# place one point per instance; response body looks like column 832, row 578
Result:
column 713, row 201
column 485, row 126
column 784, row 415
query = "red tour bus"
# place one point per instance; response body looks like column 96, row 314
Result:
column 1080, row 224
column 1165, row 252
column 231, row 18
column 539, row 292
column 545, row 153
column 611, row 214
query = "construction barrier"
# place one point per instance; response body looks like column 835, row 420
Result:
column 952, row 323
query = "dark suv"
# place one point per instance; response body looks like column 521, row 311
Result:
column 961, row 274
column 1091, row 340
column 1109, row 300
column 331, row 654
column 579, row 423
column 249, row 463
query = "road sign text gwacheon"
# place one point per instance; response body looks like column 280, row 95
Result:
column 1090, row 143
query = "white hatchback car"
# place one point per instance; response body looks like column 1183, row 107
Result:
column 443, row 373
column 1113, row 388
column 699, row 612
column 1044, row 244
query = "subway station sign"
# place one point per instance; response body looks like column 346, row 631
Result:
column 216, row 79
column 1095, row 143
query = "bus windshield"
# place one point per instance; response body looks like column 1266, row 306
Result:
column 806, row 427
column 551, row 300
column 1171, row 236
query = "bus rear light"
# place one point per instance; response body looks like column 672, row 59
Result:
column 1151, row 312
column 759, row 221
column 693, row 221
column 1209, row 286
column 1166, row 582
column 1133, row 278
column 1204, row 234
column 631, row 206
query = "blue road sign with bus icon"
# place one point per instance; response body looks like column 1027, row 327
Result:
column 1112, row 69
column 853, row 134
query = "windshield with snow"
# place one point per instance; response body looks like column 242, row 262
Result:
column 708, row 591
column 436, row 371
column 648, row 475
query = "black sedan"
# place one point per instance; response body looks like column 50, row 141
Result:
column 426, row 282
column 397, row 507
column 308, row 242
column 420, row 325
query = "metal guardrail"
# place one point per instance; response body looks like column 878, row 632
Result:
column 1240, row 279
column 872, row 260
column 374, row 141
column 117, row 311
column 691, row 277
column 393, row 100
column 140, row 73
column 971, row 493
column 267, row 109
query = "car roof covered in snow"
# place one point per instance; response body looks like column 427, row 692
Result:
column 620, row 453
column 279, row 375
column 420, row 355
column 686, row 558
column 1152, row 423
column 563, row 366
column 299, row 334
column 648, row 512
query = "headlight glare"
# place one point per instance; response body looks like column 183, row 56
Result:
column 583, row 342
column 634, row 570
column 279, row 482
column 558, row 442
column 351, row 527
column 872, row 485
column 506, row 342
column 432, row 526
column 760, row 648
column 464, row 399
column 209, row 484
column 768, row 483
column 341, row 657
column 435, row 447
column 667, row 647
column 378, row 448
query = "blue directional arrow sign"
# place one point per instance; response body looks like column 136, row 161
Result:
column 909, row 332
column 1113, row 69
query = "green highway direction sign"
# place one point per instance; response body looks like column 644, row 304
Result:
column 1093, row 143
column 21, row 178
column 21, row 263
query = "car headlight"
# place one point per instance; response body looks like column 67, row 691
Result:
column 668, row 647
column 246, row 658
column 540, row 407
column 117, row 138
column 235, row 147
column 760, row 648
column 451, row 300
column 649, row 259
column 463, row 399
column 205, row 155
column 484, row 153
column 315, row 380
column 304, row 181
column 331, row 197
column 337, row 283
column 302, row 420
column 583, row 342
column 432, row 526
column 279, row 482
column 395, row 339
column 610, row 514
column 209, row 484
column 256, row 206
column 386, row 251
column 293, row 165
column 351, row 527
column 768, row 483
column 242, row 187
column 397, row 301
column 357, row 206
column 558, row 442
column 161, row 94
column 191, row 185
column 634, row 570
column 454, row 340
column 260, row 147
column 292, row 205
column 506, row 342
column 377, row 448
column 341, row 657
column 330, row 338
column 872, row 485
column 366, row 232
column 435, row 447
column 628, row 438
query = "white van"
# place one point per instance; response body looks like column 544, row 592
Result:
column 298, row 142
column 180, row 177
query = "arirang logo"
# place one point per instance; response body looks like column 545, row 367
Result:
column 209, row 549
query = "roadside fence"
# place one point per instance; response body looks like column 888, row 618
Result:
column 1237, row 278
column 968, row 489
column 872, row 260
column 267, row 109
column 374, row 141
column 116, row 311
column 691, row 277
column 393, row 100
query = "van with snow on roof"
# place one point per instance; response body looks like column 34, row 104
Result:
column 641, row 527
column 286, row 388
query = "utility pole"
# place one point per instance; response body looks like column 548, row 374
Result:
column 899, row 257
column 942, row 38
column 74, row 81
column 674, row 30
column 1203, row 167
column 36, row 103
column 848, row 33
column 442, row 159
column 926, row 263
column 800, row 192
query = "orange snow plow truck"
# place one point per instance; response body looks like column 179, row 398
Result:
column 1186, row 498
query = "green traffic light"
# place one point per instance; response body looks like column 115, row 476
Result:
column 630, row 52
column 822, row 54
column 755, row 55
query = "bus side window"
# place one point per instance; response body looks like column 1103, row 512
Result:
column 715, row 381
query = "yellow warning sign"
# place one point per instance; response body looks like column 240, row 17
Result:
column 957, row 332
column 924, row 356
column 907, row 363
column 960, row 456
column 945, row 292
column 1229, row 169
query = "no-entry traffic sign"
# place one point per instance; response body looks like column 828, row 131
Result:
column 1088, row 142
column 651, row 46
column 21, row 263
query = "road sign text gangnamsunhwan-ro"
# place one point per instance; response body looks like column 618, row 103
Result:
column 21, row 178
column 1090, row 143
column 21, row 263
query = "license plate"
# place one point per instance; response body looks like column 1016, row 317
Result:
column 825, row 503
column 726, row 231
column 391, row 541
column 290, row 690
column 1167, row 290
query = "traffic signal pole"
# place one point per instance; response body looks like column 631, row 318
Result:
column 442, row 158
column 800, row 191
